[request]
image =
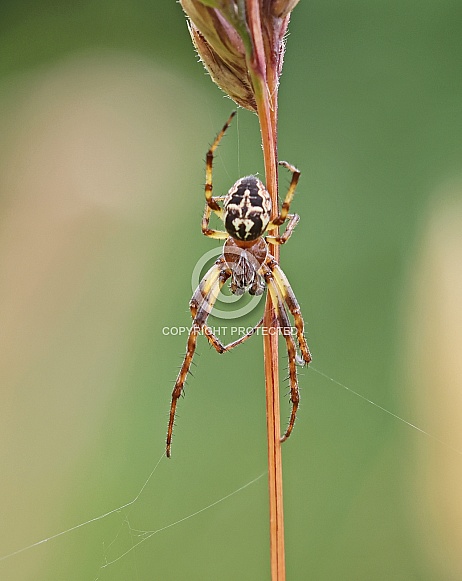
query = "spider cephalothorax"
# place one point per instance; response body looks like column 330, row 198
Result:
column 246, row 260
column 245, row 264
column 247, row 209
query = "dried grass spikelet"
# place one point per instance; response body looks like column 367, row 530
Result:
column 228, row 37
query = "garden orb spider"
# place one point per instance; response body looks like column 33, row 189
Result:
column 245, row 212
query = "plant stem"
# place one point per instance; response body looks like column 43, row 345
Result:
column 270, row 354
column 265, row 85
column 242, row 45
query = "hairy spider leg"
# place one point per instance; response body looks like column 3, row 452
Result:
column 211, row 201
column 201, row 305
column 281, row 218
column 179, row 384
column 201, row 298
column 215, row 341
column 282, row 239
column 284, row 325
column 288, row 295
column 202, row 308
column 217, row 234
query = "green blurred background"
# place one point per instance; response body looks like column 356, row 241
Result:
column 105, row 117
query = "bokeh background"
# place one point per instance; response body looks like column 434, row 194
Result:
column 105, row 117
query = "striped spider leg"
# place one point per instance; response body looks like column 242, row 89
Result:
column 246, row 213
column 201, row 305
column 281, row 292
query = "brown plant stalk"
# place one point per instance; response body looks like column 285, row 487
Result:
column 241, row 43
column 267, row 114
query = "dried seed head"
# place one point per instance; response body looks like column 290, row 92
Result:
column 281, row 8
column 226, row 40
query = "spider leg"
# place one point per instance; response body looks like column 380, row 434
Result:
column 211, row 283
column 222, row 348
column 285, row 326
column 210, row 200
column 201, row 296
column 179, row 384
column 217, row 234
column 201, row 304
column 290, row 299
column 281, row 218
column 293, row 221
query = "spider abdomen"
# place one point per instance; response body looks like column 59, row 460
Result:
column 247, row 209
